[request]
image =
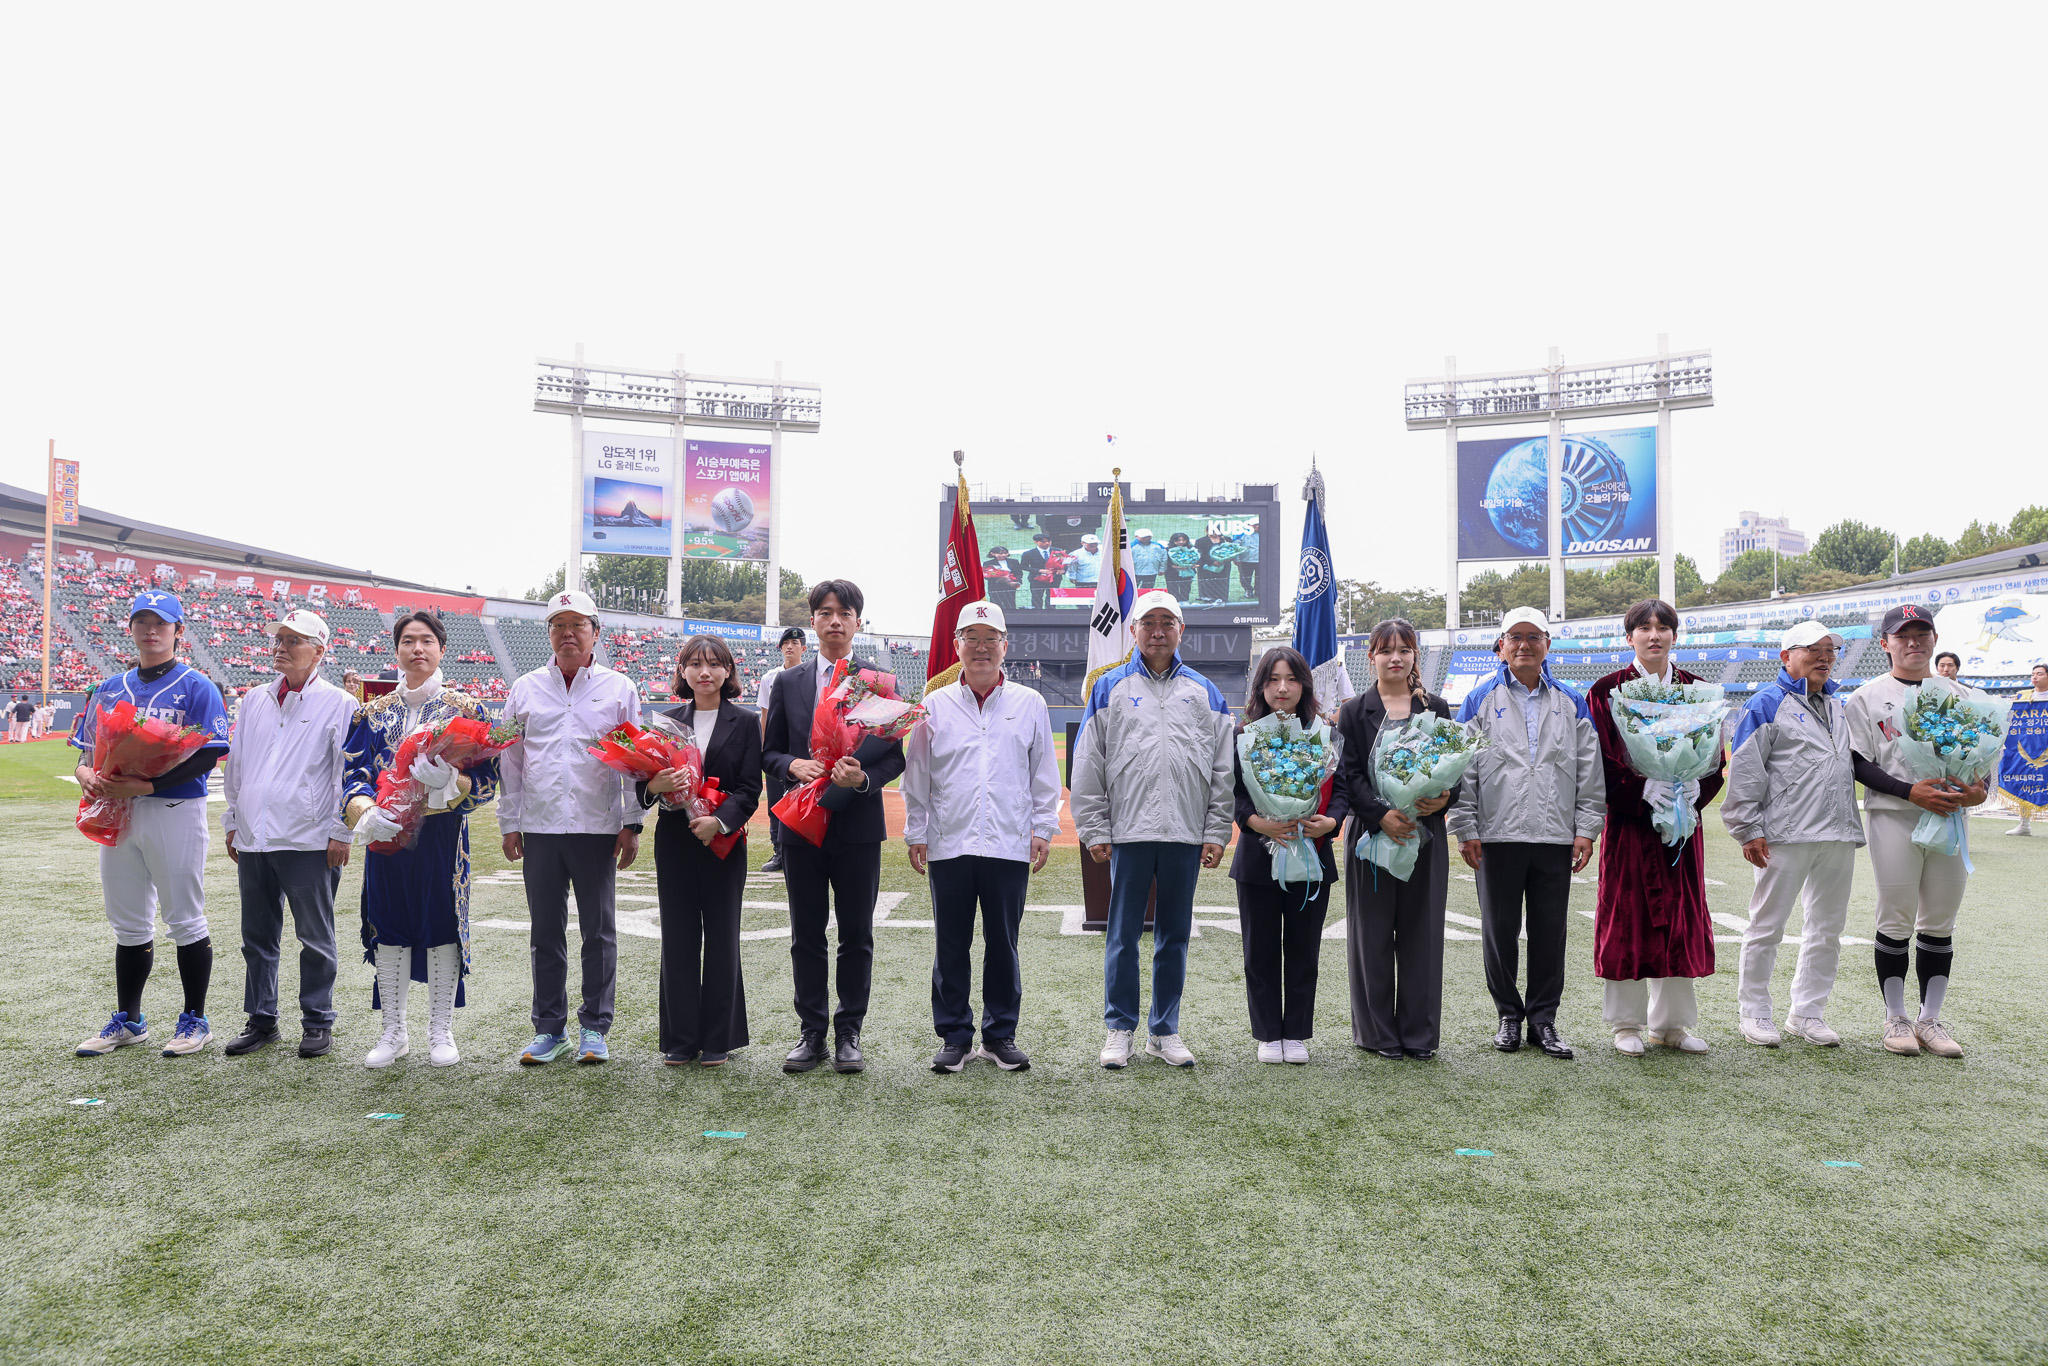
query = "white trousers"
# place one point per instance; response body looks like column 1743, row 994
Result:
column 1822, row 872
column 17, row 731
column 1658, row 1004
column 161, row 865
column 1917, row 889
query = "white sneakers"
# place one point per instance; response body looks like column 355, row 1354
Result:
column 1270, row 1051
column 1116, row 1049
column 1762, row 1033
column 1682, row 1039
column 1169, row 1049
column 1629, row 1042
column 1899, row 1036
column 1813, row 1030
column 394, row 979
column 1294, row 1050
column 1934, row 1037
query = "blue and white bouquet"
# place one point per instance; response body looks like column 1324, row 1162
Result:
column 1424, row 758
column 1285, row 765
column 1672, row 732
column 1947, row 737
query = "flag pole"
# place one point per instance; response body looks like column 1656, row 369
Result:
column 49, row 557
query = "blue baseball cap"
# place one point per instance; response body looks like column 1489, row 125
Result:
column 165, row 605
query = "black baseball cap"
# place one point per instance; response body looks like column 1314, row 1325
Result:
column 794, row 633
column 1900, row 615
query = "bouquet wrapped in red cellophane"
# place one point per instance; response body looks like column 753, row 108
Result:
column 127, row 744
column 641, row 753
column 859, row 715
column 458, row 741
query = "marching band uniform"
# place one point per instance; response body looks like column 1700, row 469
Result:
column 416, row 901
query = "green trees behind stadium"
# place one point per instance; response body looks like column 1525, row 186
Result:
column 713, row 590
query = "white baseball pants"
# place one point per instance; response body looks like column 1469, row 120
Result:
column 160, row 866
column 1917, row 889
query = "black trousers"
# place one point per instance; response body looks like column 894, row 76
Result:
column 1041, row 593
column 840, row 880
column 703, row 997
column 997, row 886
column 1215, row 583
column 1395, row 949
column 1509, row 873
column 776, row 791
column 553, row 864
column 1248, row 575
column 1283, row 946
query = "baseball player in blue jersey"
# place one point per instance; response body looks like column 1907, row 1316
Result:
column 161, row 864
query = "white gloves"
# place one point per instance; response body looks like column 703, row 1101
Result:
column 438, row 777
column 1692, row 792
column 1663, row 796
column 376, row 826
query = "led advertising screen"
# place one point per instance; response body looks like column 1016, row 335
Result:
column 1218, row 559
column 626, row 485
column 725, row 500
column 1608, row 488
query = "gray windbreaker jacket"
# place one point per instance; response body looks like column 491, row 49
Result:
column 1792, row 779
column 1508, row 797
column 1153, row 759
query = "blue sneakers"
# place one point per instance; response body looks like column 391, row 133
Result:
column 593, row 1049
column 544, row 1048
column 119, row 1033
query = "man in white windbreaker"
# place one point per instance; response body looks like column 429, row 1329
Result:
column 1525, row 820
column 1153, row 798
column 285, row 831
column 981, row 801
column 1791, row 804
column 1919, row 890
column 573, row 821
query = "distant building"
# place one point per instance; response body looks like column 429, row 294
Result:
column 1760, row 533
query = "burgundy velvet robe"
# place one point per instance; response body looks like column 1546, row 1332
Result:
column 1650, row 918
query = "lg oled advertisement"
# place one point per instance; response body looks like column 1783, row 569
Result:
column 1608, row 495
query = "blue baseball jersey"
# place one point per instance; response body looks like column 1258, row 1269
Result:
column 183, row 695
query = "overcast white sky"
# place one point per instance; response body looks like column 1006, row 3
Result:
column 280, row 274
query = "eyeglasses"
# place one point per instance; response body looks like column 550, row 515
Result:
column 286, row 642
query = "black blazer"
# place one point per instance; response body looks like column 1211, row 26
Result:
column 792, row 702
column 1359, row 721
column 1253, row 862
column 735, row 760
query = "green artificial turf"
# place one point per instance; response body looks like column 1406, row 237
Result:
column 1668, row 1209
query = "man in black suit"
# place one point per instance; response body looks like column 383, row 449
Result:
column 1034, row 562
column 845, row 874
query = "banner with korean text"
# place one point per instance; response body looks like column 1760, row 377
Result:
column 628, row 485
column 725, row 500
column 2023, row 769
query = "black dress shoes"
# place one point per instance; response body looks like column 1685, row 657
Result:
column 1508, row 1038
column 1546, row 1037
column 808, row 1053
column 773, row 865
column 314, row 1043
column 846, row 1057
column 256, row 1034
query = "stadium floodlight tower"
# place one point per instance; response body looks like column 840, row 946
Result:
column 1652, row 384
column 676, row 398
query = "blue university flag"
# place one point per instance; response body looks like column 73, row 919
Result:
column 1315, row 604
column 2023, row 769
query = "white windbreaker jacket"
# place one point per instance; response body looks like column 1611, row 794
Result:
column 1156, row 760
column 283, row 775
column 547, row 783
column 980, row 779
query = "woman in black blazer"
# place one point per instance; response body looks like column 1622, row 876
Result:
column 1282, row 926
column 1394, row 930
column 703, row 1000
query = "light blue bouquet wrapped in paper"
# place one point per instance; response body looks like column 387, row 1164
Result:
column 1285, row 765
column 1672, row 732
column 1957, row 739
column 1425, row 758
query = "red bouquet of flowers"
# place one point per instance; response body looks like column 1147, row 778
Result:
column 859, row 715
column 128, row 744
column 641, row 753
column 458, row 741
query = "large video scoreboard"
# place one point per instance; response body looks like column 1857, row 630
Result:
column 1041, row 562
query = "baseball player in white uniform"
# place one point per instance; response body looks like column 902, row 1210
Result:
column 1919, row 890
column 161, row 864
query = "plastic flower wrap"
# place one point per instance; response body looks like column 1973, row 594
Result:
column 1056, row 561
column 459, row 742
column 858, row 715
column 127, row 744
column 1954, row 739
column 1287, row 768
column 1186, row 556
column 1425, row 758
column 1672, row 732
column 1225, row 552
column 639, row 753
